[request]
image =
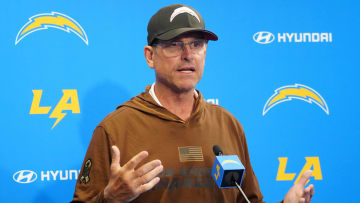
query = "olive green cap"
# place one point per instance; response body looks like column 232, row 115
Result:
column 174, row 20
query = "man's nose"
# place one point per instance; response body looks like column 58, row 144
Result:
column 187, row 53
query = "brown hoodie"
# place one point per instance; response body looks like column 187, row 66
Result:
column 184, row 148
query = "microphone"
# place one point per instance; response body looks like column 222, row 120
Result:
column 217, row 150
column 227, row 170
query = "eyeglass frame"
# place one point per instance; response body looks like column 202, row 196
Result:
column 164, row 43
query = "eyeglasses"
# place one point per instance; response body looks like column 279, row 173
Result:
column 174, row 48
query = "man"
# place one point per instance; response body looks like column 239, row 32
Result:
column 176, row 127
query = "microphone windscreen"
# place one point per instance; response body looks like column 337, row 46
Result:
column 217, row 150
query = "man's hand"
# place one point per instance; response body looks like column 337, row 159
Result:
column 297, row 194
column 125, row 182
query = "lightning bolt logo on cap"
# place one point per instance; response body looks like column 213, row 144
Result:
column 297, row 91
column 55, row 20
column 181, row 10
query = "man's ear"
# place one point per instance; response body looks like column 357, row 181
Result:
column 149, row 52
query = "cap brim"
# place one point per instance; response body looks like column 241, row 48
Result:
column 179, row 31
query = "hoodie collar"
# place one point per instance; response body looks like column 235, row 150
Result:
column 153, row 95
column 146, row 103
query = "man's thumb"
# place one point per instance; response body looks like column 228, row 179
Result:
column 304, row 178
column 115, row 156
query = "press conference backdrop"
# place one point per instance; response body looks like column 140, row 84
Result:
column 288, row 71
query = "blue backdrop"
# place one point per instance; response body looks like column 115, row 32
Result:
column 288, row 70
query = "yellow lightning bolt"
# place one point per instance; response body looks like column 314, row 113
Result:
column 299, row 92
column 230, row 161
column 52, row 20
column 218, row 172
column 69, row 95
column 58, row 115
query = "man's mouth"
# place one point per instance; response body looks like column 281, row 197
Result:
column 186, row 69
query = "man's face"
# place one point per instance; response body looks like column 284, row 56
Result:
column 182, row 72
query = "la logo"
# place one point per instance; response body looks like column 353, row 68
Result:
column 312, row 163
column 63, row 104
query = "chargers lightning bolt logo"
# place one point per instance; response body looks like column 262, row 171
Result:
column 55, row 20
column 297, row 91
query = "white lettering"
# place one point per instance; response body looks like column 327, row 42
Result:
column 281, row 37
column 290, row 36
column 66, row 175
column 43, row 175
column 75, row 174
column 298, row 39
column 315, row 37
column 324, row 37
column 307, row 36
column 54, row 174
column 60, row 175
column 213, row 101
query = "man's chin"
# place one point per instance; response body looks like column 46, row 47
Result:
column 180, row 87
column 185, row 88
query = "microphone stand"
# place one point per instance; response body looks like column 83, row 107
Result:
column 242, row 192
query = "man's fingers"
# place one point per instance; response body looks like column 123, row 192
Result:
column 307, row 194
column 147, row 167
column 304, row 178
column 130, row 165
column 312, row 191
column 149, row 176
column 115, row 159
column 298, row 193
column 148, row 186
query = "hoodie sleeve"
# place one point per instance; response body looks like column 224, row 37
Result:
column 95, row 171
column 250, row 183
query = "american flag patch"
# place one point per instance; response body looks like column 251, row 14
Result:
column 190, row 153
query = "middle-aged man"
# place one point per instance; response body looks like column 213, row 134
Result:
column 176, row 127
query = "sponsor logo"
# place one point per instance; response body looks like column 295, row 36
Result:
column 28, row 176
column 181, row 10
column 25, row 176
column 297, row 91
column 190, row 153
column 312, row 163
column 69, row 101
column 265, row 37
column 56, row 20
